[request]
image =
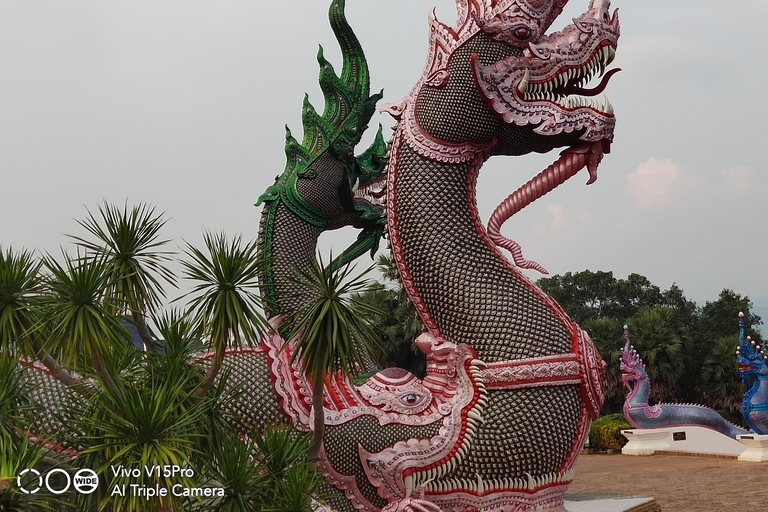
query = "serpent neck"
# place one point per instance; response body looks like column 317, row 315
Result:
column 639, row 393
column 758, row 393
column 463, row 288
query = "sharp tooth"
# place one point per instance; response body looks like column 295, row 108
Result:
column 611, row 55
column 480, row 484
column 409, row 485
column 608, row 106
column 524, row 82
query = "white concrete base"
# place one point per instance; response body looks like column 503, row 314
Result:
column 693, row 440
column 593, row 503
column 757, row 448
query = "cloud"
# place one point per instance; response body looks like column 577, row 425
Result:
column 560, row 218
column 655, row 184
column 738, row 179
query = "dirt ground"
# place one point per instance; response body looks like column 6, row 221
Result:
column 678, row 483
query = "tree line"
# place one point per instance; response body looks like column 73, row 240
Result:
column 689, row 350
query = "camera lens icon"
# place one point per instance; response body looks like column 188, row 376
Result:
column 57, row 481
column 86, row 481
column 34, row 486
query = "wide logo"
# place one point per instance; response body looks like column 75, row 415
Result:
column 57, row 481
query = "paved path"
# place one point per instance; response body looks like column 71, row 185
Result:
column 679, row 483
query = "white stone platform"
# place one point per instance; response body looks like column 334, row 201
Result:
column 609, row 503
column 756, row 448
column 693, row 440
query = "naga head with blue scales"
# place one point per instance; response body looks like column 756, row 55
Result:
column 753, row 369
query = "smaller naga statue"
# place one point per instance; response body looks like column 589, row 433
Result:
column 754, row 373
column 644, row 416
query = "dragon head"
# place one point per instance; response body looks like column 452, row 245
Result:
column 632, row 367
column 368, row 181
column 497, row 79
column 749, row 356
column 543, row 86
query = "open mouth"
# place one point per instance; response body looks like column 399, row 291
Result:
column 566, row 88
column 373, row 193
column 744, row 368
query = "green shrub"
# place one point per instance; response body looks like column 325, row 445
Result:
column 605, row 433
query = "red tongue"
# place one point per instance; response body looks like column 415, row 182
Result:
column 573, row 90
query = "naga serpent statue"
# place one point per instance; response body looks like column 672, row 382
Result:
column 512, row 383
column 641, row 415
column 753, row 367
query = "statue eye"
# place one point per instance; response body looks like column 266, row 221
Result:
column 411, row 399
column 522, row 32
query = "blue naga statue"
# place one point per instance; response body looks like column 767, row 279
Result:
column 754, row 373
column 644, row 416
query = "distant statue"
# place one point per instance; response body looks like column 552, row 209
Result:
column 753, row 369
column 644, row 416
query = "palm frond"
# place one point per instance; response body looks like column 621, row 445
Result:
column 130, row 243
column 20, row 288
column 16, row 456
column 331, row 327
column 77, row 310
column 225, row 299
column 16, row 405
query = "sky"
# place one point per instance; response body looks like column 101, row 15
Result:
column 182, row 104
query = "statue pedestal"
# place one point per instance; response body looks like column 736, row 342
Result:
column 686, row 440
column 609, row 503
column 644, row 442
column 756, row 448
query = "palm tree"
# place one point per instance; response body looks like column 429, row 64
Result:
column 331, row 332
column 607, row 335
column 720, row 379
column 21, row 286
column 386, row 265
column 398, row 323
column 398, row 326
column 17, row 414
column 129, row 242
column 224, row 300
column 181, row 337
column 15, row 458
column 660, row 345
column 153, row 422
column 270, row 472
column 78, row 313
